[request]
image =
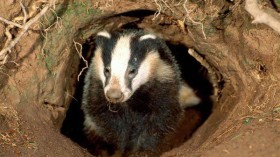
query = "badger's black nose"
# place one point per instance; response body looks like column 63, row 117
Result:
column 114, row 95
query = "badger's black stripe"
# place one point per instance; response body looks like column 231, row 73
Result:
column 107, row 45
column 139, row 50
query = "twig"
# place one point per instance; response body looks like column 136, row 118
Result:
column 25, row 27
column 261, row 16
column 10, row 22
column 58, row 22
column 8, row 34
column 79, row 51
column 24, row 12
column 214, row 79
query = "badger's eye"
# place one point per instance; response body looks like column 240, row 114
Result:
column 107, row 71
column 132, row 73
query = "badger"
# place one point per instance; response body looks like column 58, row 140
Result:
column 131, row 91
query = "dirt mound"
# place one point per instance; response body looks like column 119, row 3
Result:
column 236, row 74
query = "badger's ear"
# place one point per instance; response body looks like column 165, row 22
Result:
column 104, row 34
column 147, row 37
column 101, row 37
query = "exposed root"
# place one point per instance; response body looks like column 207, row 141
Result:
column 261, row 16
column 158, row 12
column 79, row 51
column 9, row 44
column 213, row 76
column 193, row 21
column 10, row 22
column 172, row 6
column 24, row 11
column 57, row 24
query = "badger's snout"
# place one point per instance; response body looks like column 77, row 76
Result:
column 115, row 95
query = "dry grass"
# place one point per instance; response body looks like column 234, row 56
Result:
column 265, row 106
column 193, row 15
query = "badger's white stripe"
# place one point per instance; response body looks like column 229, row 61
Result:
column 104, row 34
column 119, row 64
column 152, row 68
column 98, row 66
column 147, row 36
column 145, row 70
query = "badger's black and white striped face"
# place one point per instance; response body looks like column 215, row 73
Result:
column 125, row 61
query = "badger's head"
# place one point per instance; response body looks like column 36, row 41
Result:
column 125, row 61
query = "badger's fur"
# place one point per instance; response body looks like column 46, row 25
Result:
column 131, row 90
column 187, row 96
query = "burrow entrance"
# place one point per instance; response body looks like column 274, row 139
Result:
column 192, row 71
column 233, row 46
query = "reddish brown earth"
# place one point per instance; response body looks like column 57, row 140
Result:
column 38, row 83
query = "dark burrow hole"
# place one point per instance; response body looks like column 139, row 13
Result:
column 192, row 72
